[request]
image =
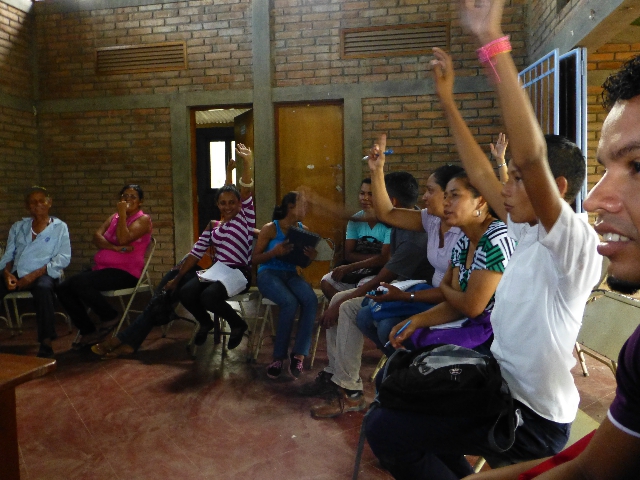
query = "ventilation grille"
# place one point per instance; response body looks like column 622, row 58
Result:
column 394, row 40
column 150, row 57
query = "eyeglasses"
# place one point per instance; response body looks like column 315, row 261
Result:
column 128, row 196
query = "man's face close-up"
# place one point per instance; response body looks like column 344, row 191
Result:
column 616, row 197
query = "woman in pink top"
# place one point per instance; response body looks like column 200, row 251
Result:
column 122, row 241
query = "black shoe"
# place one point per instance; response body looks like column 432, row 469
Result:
column 295, row 366
column 45, row 351
column 236, row 336
column 201, row 336
column 321, row 386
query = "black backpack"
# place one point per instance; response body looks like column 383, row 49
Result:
column 446, row 380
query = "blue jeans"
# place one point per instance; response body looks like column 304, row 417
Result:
column 289, row 291
column 377, row 330
column 416, row 446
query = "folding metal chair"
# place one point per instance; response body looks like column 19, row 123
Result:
column 144, row 285
column 24, row 295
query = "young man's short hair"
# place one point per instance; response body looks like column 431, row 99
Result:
column 566, row 160
column 366, row 180
column 403, row 187
column 622, row 85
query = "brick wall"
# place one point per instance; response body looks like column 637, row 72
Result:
column 15, row 66
column 18, row 163
column 218, row 37
column 418, row 132
column 306, row 43
column 544, row 20
column 90, row 156
column 610, row 56
column 18, row 145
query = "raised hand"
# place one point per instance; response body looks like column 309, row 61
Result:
column 482, row 18
column 376, row 154
column 500, row 147
column 231, row 165
column 443, row 74
column 243, row 151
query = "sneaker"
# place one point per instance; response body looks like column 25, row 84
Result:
column 295, row 366
column 274, row 369
column 321, row 386
column 338, row 404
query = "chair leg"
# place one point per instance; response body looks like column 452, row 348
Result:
column 8, row 317
column 217, row 334
column 583, row 364
column 315, row 345
column 266, row 318
column 381, row 364
column 17, row 315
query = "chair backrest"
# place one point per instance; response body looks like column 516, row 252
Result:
column 608, row 321
column 326, row 251
column 145, row 271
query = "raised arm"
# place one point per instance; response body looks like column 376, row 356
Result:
column 528, row 146
column 385, row 211
column 498, row 153
column 246, row 181
column 474, row 161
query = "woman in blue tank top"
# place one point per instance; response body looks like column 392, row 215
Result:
column 279, row 281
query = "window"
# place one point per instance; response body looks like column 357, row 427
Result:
column 218, row 158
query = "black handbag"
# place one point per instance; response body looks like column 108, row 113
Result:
column 369, row 246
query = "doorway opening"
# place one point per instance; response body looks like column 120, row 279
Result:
column 215, row 133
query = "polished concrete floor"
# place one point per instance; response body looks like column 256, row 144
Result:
column 162, row 415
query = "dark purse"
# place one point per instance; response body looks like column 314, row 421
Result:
column 366, row 245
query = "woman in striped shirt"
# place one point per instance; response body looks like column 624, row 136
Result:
column 232, row 239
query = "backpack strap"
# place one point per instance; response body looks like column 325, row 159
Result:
column 512, row 424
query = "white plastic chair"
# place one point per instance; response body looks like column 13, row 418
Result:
column 144, row 285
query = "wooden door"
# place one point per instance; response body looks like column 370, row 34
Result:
column 310, row 152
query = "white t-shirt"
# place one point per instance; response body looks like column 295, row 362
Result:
column 538, row 312
column 439, row 258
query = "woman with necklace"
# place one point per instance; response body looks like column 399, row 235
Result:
column 38, row 249
column 122, row 241
column 279, row 281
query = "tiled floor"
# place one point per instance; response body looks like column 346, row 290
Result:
column 161, row 415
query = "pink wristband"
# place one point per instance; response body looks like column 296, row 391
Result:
column 491, row 49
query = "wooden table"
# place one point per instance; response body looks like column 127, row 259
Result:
column 15, row 370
